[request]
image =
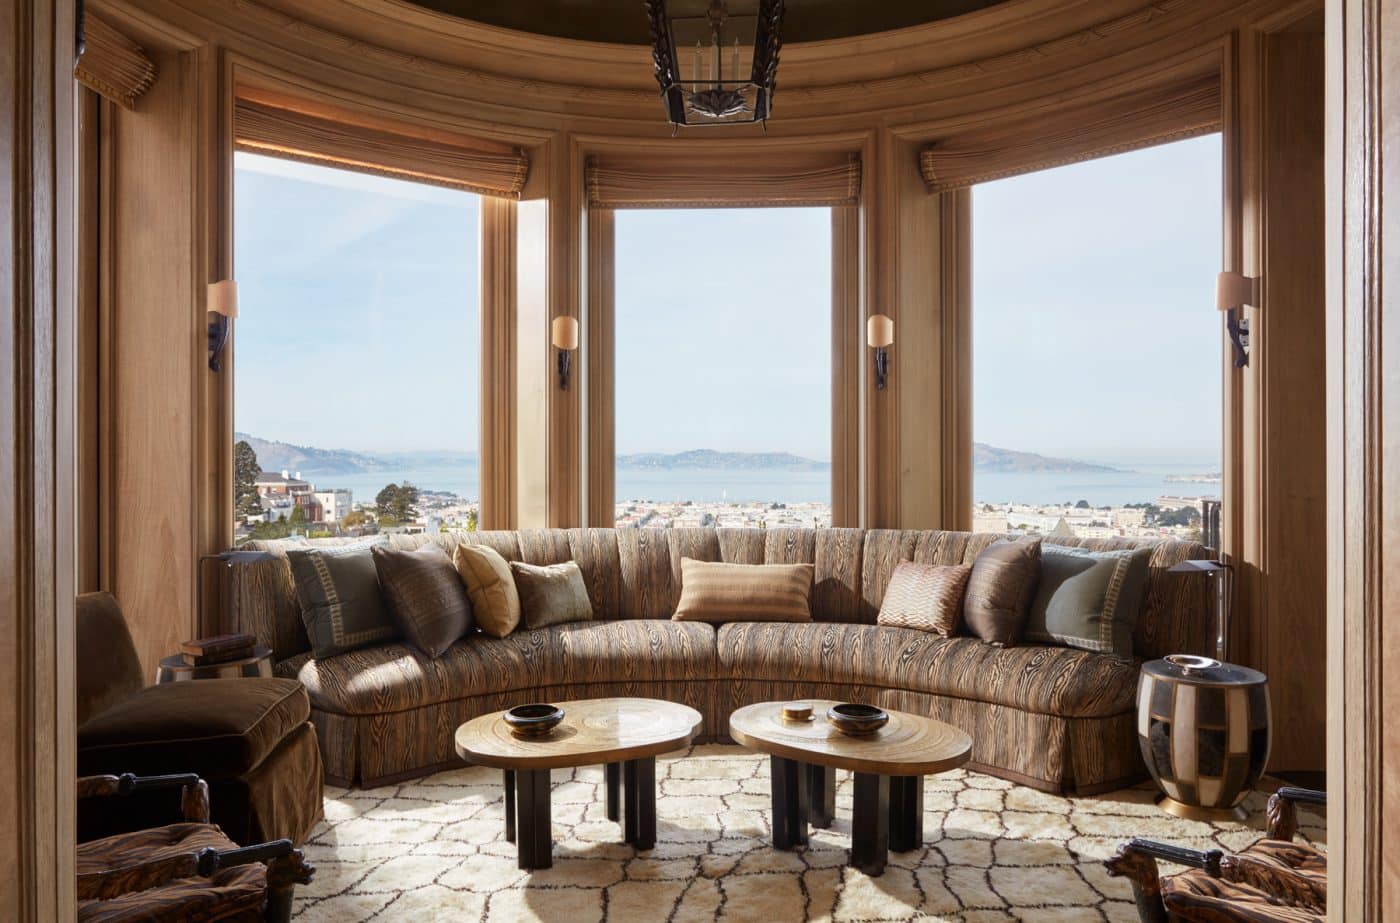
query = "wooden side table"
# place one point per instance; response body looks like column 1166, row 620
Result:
column 173, row 669
column 1203, row 726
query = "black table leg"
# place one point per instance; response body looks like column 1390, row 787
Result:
column 790, row 803
column 510, row 804
column 612, row 774
column 533, row 836
column 870, row 823
column 821, row 785
column 906, row 813
column 639, row 809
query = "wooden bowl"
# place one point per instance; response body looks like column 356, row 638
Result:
column 857, row 720
column 534, row 720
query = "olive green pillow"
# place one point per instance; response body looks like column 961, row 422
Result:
column 551, row 594
column 1000, row 590
column 491, row 586
column 1088, row 599
column 338, row 588
column 426, row 597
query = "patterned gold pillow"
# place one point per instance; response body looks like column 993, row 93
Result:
column 713, row 592
column 491, row 586
column 925, row 597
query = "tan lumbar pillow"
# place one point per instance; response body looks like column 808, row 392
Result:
column 926, row 597
column 713, row 592
column 491, row 586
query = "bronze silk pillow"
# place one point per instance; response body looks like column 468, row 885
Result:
column 714, row 592
column 338, row 588
column 551, row 594
column 426, row 597
column 1000, row 590
column 491, row 586
column 1088, row 599
column 925, row 597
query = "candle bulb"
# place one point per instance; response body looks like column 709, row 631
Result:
column 699, row 66
column 736, row 59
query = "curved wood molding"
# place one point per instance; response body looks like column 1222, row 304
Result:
column 1007, row 147
column 111, row 64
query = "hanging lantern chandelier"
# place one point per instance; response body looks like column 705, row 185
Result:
column 716, row 60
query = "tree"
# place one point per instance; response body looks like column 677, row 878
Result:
column 473, row 519
column 1082, row 505
column 246, row 469
column 397, row 503
column 298, row 517
column 354, row 519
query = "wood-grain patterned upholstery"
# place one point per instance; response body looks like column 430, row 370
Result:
column 1195, row 895
column 1052, row 717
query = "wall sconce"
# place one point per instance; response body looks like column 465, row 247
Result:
column 879, row 334
column 564, row 336
column 222, row 305
column 1233, row 291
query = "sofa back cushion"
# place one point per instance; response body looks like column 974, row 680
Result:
column 716, row 591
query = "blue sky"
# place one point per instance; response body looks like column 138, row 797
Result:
column 1094, row 330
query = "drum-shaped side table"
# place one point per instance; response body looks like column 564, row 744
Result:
column 1203, row 727
column 174, row 669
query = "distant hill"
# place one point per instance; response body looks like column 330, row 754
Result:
column 279, row 456
column 312, row 461
column 990, row 458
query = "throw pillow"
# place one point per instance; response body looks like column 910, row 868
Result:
column 925, row 597
column 491, row 586
column 1089, row 599
column 1000, row 589
column 715, row 592
column 341, row 606
column 551, row 594
column 426, row 596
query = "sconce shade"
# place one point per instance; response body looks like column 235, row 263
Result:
column 1234, row 290
column 223, row 298
column 879, row 331
column 564, row 332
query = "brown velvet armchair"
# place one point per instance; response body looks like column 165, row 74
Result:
column 251, row 739
column 1272, row 881
column 180, row 872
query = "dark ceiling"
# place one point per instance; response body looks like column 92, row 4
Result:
column 625, row 21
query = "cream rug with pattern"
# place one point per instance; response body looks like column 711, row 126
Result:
column 435, row 849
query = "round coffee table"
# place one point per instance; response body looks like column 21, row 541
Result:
column 625, row 735
column 889, row 768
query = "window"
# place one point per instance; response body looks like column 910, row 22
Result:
column 723, row 367
column 1096, row 345
column 356, row 401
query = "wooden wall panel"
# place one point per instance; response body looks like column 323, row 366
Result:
column 157, row 381
column 599, row 354
column 1281, row 451
column 1363, row 461
column 37, row 451
column 498, row 384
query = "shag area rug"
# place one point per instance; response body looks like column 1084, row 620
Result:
column 435, row 849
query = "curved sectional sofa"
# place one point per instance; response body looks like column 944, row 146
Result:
column 1055, row 718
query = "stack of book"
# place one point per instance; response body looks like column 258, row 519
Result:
column 202, row 652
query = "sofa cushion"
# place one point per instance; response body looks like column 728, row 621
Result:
column 427, row 598
column 1057, row 681
column 389, row 678
column 1000, row 590
column 551, row 594
column 338, row 589
column 219, row 728
column 927, row 597
column 1088, row 599
column 491, row 586
column 718, row 592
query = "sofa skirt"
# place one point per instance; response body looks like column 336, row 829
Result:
column 1046, row 752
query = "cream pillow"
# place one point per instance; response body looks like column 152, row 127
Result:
column 713, row 592
column 491, row 586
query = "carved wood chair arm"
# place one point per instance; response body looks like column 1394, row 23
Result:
column 194, row 799
column 1136, row 860
column 1284, row 886
column 1282, row 811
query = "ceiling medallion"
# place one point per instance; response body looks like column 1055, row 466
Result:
column 716, row 61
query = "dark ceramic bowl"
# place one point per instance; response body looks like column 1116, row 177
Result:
column 857, row 720
column 534, row 720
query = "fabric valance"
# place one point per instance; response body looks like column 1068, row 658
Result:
column 618, row 182
column 1072, row 133
column 264, row 129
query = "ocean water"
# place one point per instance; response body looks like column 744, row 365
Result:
column 1115, row 488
